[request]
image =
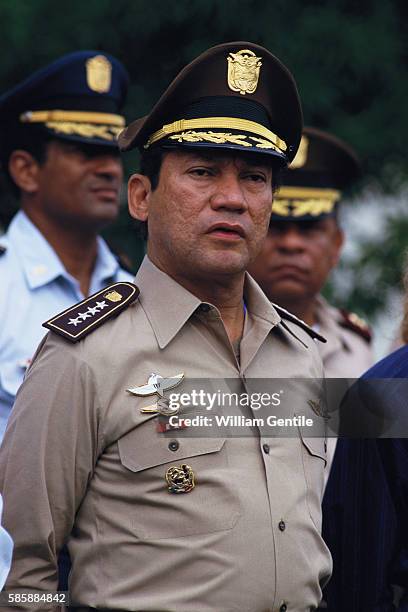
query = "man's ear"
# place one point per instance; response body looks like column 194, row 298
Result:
column 139, row 190
column 24, row 169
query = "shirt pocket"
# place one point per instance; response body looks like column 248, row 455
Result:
column 211, row 506
column 314, row 458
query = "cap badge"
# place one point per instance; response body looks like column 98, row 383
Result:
column 99, row 74
column 180, row 479
column 243, row 71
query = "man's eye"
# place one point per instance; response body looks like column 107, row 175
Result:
column 256, row 177
column 201, row 171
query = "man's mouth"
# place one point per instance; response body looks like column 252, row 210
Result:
column 107, row 193
column 288, row 271
column 227, row 231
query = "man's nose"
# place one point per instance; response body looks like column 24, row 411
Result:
column 109, row 166
column 291, row 240
column 228, row 193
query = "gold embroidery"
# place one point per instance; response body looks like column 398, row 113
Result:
column 299, row 201
column 243, row 71
column 85, row 129
column 99, row 73
column 263, row 144
column 214, row 137
column 308, row 193
column 212, row 123
column 222, row 138
column 42, row 116
column 298, row 208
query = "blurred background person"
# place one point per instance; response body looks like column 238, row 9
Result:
column 58, row 150
column 365, row 507
column 6, row 550
column 304, row 244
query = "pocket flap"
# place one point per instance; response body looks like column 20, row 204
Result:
column 315, row 446
column 144, row 447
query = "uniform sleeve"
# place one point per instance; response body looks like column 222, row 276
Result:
column 46, row 460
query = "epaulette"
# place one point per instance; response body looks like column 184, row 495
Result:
column 351, row 321
column 285, row 314
column 3, row 249
column 78, row 321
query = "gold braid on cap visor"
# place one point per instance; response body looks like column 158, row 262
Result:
column 82, row 123
column 190, row 130
column 300, row 201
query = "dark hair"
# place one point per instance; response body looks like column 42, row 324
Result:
column 31, row 138
column 151, row 162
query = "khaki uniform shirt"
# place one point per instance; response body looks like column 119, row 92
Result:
column 80, row 463
column 346, row 354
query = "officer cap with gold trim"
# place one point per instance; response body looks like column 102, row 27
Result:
column 233, row 96
column 78, row 97
column 312, row 187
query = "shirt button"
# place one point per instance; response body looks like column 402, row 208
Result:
column 283, row 607
column 282, row 525
column 174, row 445
column 266, row 449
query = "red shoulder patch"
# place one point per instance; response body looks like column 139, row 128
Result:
column 350, row 320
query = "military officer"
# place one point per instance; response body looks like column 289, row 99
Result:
column 304, row 244
column 58, row 133
column 154, row 520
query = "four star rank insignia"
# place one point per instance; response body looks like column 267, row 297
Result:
column 78, row 321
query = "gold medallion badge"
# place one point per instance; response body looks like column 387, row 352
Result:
column 243, row 71
column 99, row 74
column 180, row 479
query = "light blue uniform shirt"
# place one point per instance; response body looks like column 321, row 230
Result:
column 6, row 550
column 34, row 286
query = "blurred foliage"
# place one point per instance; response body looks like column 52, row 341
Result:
column 350, row 61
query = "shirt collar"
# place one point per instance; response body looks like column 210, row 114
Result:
column 258, row 304
column 327, row 318
column 40, row 262
column 168, row 305
column 38, row 259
